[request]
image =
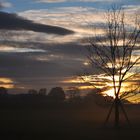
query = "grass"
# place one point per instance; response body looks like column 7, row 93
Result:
column 65, row 121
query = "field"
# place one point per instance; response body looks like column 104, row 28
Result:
column 65, row 121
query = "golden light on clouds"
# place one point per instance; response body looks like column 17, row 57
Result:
column 74, row 80
column 86, row 63
column 85, row 87
column 84, row 21
column 111, row 90
column 10, row 49
column 104, row 83
column 6, row 82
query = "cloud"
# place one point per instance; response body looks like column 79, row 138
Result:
column 31, row 69
column 57, row 1
column 77, row 19
column 4, row 4
column 49, row 1
column 12, row 49
column 6, row 82
column 92, row 1
column 82, row 20
column 131, row 9
column 14, row 22
column 28, row 72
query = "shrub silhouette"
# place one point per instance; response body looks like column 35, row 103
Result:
column 3, row 91
column 73, row 92
column 42, row 91
column 57, row 93
column 32, row 91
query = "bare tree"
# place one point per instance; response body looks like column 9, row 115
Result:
column 115, row 53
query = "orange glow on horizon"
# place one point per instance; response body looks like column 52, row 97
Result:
column 109, row 93
column 85, row 87
column 73, row 80
column 6, row 83
column 104, row 83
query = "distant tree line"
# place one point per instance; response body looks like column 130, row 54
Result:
column 57, row 94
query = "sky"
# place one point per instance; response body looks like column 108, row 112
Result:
column 40, row 40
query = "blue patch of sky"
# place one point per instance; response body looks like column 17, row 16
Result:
column 24, row 5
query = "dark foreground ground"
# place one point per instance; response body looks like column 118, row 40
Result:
column 64, row 121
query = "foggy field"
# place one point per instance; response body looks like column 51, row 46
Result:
column 66, row 122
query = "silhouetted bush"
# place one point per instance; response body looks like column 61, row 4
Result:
column 57, row 94
column 32, row 91
column 97, row 98
column 73, row 92
column 3, row 91
column 42, row 91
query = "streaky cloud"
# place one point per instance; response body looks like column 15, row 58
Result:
column 59, row 1
column 4, row 4
column 14, row 22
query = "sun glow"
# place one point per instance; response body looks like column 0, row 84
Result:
column 6, row 83
column 109, row 93
column 105, row 84
column 125, row 87
column 85, row 87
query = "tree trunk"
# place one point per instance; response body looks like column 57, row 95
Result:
column 116, row 121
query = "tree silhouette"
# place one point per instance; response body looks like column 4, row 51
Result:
column 32, row 91
column 42, row 91
column 3, row 91
column 57, row 93
column 115, row 54
column 73, row 92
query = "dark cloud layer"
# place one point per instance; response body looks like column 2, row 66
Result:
column 26, row 65
column 13, row 22
column 1, row 6
column 31, row 73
